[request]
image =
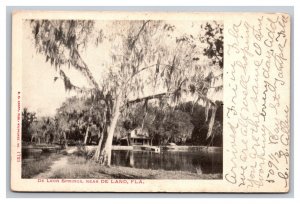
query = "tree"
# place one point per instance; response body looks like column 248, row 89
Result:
column 151, row 55
column 201, row 126
column 80, row 119
column 27, row 119
column 214, row 38
column 43, row 130
column 164, row 125
column 172, row 126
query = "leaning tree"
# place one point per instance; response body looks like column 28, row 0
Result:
column 144, row 60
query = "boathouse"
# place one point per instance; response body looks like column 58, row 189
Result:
column 137, row 136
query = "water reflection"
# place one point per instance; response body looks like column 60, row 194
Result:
column 196, row 162
column 34, row 156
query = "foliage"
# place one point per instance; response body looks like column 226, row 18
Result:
column 36, row 129
column 164, row 125
column 59, row 41
column 214, row 38
column 144, row 55
column 76, row 114
column 186, row 124
column 201, row 126
column 27, row 119
column 43, row 130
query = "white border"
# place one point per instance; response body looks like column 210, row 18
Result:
column 3, row 130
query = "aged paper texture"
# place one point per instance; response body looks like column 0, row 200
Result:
column 150, row 102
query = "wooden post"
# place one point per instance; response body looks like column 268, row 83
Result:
column 86, row 135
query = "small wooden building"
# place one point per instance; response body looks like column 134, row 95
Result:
column 137, row 136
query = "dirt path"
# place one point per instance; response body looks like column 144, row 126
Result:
column 60, row 163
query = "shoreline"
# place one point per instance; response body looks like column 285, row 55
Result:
column 72, row 149
column 77, row 167
column 119, row 147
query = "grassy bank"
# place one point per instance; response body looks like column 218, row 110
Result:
column 33, row 167
column 79, row 167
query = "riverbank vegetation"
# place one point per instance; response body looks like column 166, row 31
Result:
column 33, row 167
column 183, row 125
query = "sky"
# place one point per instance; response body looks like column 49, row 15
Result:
column 43, row 95
column 40, row 93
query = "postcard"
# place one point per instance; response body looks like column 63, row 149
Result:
column 150, row 102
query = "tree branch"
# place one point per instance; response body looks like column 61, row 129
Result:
column 215, row 87
column 142, row 69
column 82, row 66
column 165, row 94
column 140, row 31
column 155, row 96
column 75, row 58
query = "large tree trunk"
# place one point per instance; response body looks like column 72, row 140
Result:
column 98, row 150
column 65, row 142
column 45, row 136
column 103, row 153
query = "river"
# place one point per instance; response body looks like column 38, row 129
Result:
column 206, row 162
column 195, row 162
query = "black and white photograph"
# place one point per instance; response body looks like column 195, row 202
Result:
column 112, row 101
column 122, row 99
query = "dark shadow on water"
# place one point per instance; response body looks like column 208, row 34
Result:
column 195, row 162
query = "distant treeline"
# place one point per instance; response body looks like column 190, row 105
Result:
column 79, row 121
